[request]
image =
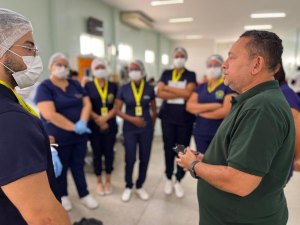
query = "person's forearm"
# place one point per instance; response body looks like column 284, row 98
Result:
column 166, row 95
column 125, row 116
column 196, row 108
column 94, row 115
column 220, row 113
column 62, row 122
column 86, row 112
column 179, row 92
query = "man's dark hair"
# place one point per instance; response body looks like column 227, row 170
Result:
column 265, row 44
column 280, row 75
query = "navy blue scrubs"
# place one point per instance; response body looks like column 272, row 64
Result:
column 25, row 150
column 102, row 141
column 72, row 147
column 134, row 136
column 176, row 123
column 294, row 102
column 205, row 129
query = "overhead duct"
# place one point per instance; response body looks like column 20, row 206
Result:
column 136, row 19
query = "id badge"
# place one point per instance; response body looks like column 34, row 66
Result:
column 104, row 111
column 138, row 111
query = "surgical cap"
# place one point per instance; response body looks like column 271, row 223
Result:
column 13, row 26
column 140, row 64
column 180, row 49
column 96, row 62
column 216, row 57
column 55, row 57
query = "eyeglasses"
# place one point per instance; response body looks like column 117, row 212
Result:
column 30, row 50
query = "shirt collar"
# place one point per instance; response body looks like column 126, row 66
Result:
column 4, row 91
column 256, row 90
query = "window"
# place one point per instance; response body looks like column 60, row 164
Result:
column 125, row 52
column 149, row 56
column 164, row 59
column 92, row 45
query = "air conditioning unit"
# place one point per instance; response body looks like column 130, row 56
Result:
column 136, row 19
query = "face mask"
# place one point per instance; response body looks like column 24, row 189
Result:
column 100, row 73
column 135, row 75
column 179, row 62
column 28, row 77
column 61, row 72
column 214, row 72
column 25, row 92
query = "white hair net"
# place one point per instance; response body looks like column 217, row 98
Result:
column 139, row 63
column 180, row 49
column 13, row 26
column 96, row 62
column 55, row 57
column 216, row 57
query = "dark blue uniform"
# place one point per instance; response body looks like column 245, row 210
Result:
column 176, row 123
column 134, row 136
column 102, row 141
column 294, row 102
column 72, row 147
column 25, row 150
column 205, row 129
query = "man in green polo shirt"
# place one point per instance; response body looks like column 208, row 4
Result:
column 242, row 175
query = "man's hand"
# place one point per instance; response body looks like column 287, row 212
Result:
column 186, row 159
column 297, row 164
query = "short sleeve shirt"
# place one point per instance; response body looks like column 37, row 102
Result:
column 208, row 127
column 257, row 137
column 25, row 150
column 125, row 94
column 176, row 113
column 96, row 100
column 69, row 104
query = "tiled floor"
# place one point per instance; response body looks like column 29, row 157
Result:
column 160, row 209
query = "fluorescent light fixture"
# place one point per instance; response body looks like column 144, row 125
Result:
column 258, row 27
column 181, row 20
column 164, row 59
column 125, row 52
column 268, row 15
column 92, row 45
column 149, row 56
column 194, row 36
column 166, row 2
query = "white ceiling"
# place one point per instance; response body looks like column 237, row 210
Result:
column 222, row 20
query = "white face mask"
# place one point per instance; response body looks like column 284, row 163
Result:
column 179, row 62
column 214, row 72
column 61, row 72
column 100, row 73
column 25, row 92
column 135, row 75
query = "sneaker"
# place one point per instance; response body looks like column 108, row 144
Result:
column 108, row 188
column 142, row 193
column 168, row 187
column 178, row 190
column 126, row 195
column 89, row 201
column 100, row 189
column 65, row 201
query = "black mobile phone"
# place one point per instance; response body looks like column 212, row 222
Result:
column 179, row 148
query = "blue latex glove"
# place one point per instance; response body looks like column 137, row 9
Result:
column 81, row 128
column 56, row 162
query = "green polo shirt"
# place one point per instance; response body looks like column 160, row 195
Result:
column 257, row 137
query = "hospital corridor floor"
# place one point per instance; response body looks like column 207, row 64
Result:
column 160, row 209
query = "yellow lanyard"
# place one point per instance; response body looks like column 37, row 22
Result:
column 176, row 76
column 102, row 92
column 138, row 94
column 21, row 101
column 211, row 88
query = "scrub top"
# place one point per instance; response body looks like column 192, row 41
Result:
column 125, row 94
column 96, row 100
column 25, row 150
column 171, row 112
column 68, row 103
column 208, row 127
column 291, row 97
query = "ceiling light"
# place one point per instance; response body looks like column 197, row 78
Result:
column 166, row 2
column 181, row 20
column 268, row 15
column 194, row 36
column 258, row 27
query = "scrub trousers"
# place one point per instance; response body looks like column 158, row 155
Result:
column 132, row 140
column 202, row 142
column 174, row 134
column 72, row 156
column 103, row 145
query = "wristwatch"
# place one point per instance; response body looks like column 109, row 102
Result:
column 192, row 169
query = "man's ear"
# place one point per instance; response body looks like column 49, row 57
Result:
column 258, row 64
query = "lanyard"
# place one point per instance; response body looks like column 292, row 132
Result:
column 138, row 94
column 21, row 101
column 102, row 92
column 211, row 88
column 176, row 76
